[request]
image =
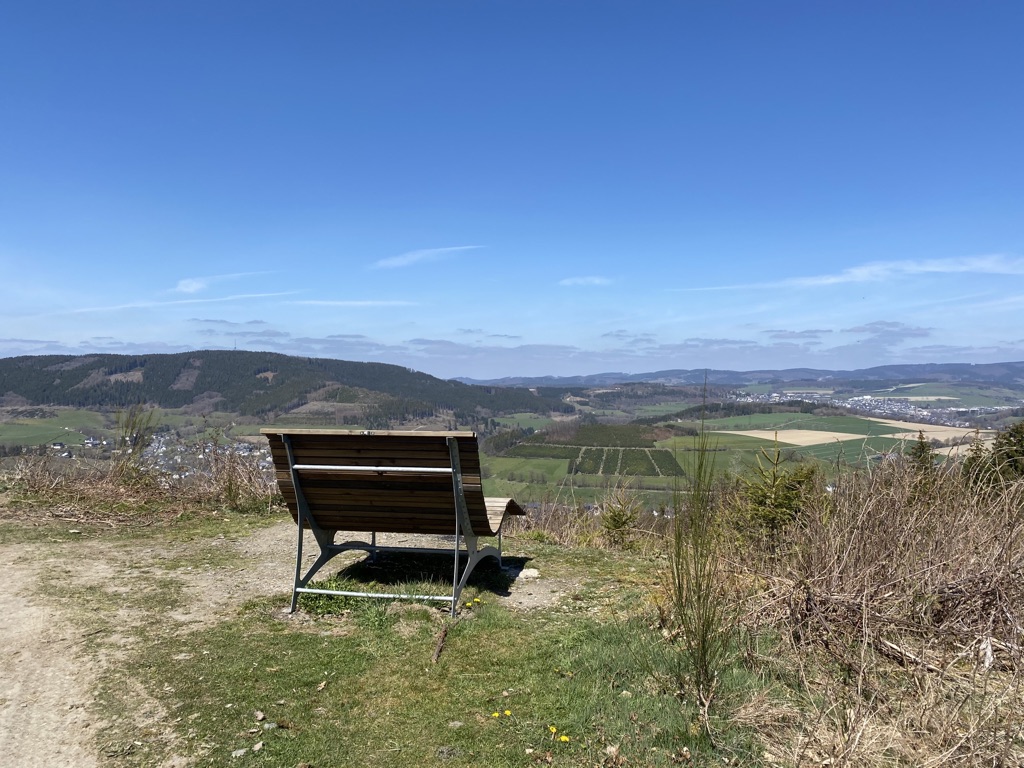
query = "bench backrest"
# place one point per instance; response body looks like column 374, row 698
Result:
column 383, row 481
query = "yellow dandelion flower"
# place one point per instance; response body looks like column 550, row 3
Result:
column 495, row 714
column 552, row 729
column 508, row 713
column 563, row 737
column 476, row 599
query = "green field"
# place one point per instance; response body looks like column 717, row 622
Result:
column 543, row 451
column 72, row 425
column 37, row 434
column 532, row 465
column 964, row 395
column 533, row 471
column 851, row 451
column 724, row 440
column 64, row 426
column 663, row 409
column 525, row 421
column 783, row 421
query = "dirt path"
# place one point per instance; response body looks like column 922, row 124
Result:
column 47, row 672
column 45, row 684
column 50, row 662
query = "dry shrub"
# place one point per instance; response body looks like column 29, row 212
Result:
column 579, row 525
column 119, row 493
column 235, row 480
column 556, row 523
column 902, row 605
column 90, row 493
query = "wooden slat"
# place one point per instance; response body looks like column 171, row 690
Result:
column 373, row 501
column 366, row 433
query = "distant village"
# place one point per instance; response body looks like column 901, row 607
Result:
column 897, row 408
column 179, row 460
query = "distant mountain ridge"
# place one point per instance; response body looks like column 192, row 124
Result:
column 1010, row 373
column 264, row 384
column 250, row 383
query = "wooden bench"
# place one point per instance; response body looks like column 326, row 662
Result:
column 386, row 482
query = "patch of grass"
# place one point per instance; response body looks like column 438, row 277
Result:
column 724, row 441
column 878, row 625
column 663, row 409
column 407, row 574
column 62, row 426
column 783, row 421
column 543, row 451
column 525, row 421
column 505, row 691
column 853, row 452
column 537, row 471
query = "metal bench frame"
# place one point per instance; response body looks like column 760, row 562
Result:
column 462, row 528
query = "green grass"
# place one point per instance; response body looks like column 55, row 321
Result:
column 525, row 420
column 67, row 424
column 966, row 395
column 663, row 409
column 374, row 698
column 724, row 440
column 356, row 685
column 854, row 452
column 783, row 421
column 531, row 470
column 543, row 451
column 43, row 433
column 634, row 461
column 352, row 682
column 62, row 427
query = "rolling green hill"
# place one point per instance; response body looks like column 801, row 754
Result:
column 259, row 384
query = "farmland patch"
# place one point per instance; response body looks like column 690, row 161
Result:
column 909, row 430
column 797, row 437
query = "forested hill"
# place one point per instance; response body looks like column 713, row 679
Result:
column 251, row 383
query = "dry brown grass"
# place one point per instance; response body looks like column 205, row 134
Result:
column 573, row 525
column 899, row 600
column 113, row 493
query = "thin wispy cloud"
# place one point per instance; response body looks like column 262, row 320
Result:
column 1015, row 302
column 588, row 280
column 813, row 333
column 995, row 264
column 353, row 303
column 197, row 284
column 27, row 341
column 416, row 257
column 174, row 303
column 888, row 332
column 885, row 270
column 222, row 321
column 264, row 334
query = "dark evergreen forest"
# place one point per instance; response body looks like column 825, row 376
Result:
column 249, row 383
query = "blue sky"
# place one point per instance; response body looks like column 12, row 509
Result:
column 491, row 188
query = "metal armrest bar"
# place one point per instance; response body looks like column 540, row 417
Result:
column 363, row 468
column 392, row 596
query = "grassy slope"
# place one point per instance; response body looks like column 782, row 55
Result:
column 353, row 682
column 62, row 427
column 869, row 568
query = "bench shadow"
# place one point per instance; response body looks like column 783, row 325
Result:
column 390, row 569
